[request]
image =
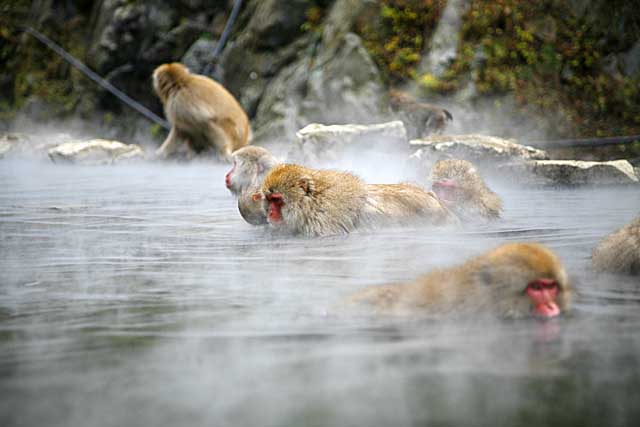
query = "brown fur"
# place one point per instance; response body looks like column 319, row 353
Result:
column 202, row 113
column 619, row 252
column 321, row 202
column 405, row 203
column 250, row 165
column 316, row 202
column 420, row 118
column 472, row 198
column 492, row 283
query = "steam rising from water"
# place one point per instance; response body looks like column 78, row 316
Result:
column 136, row 295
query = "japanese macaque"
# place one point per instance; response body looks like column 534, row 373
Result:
column 250, row 165
column 203, row 114
column 619, row 252
column 314, row 202
column 405, row 204
column 420, row 118
column 462, row 190
column 514, row 280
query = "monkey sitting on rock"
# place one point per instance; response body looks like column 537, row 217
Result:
column 421, row 119
column 204, row 116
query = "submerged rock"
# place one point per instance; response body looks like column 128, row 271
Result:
column 474, row 148
column 95, row 152
column 317, row 143
column 574, row 172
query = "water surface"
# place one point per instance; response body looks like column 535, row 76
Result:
column 136, row 295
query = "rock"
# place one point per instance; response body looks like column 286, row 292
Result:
column 95, row 151
column 271, row 39
column 443, row 49
column 13, row 143
column 339, row 86
column 631, row 61
column 276, row 23
column 333, row 80
column 573, row 172
column 317, row 143
column 173, row 44
column 199, row 55
column 475, row 148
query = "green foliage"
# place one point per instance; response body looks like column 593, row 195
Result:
column 395, row 32
column 314, row 15
column 546, row 57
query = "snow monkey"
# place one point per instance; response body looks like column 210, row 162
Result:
column 421, row 119
column 461, row 188
column 619, row 252
column 250, row 165
column 203, row 114
column 315, row 202
column 514, row 280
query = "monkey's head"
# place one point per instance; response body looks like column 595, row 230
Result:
column 399, row 99
column 167, row 78
column 286, row 193
column 250, row 164
column 455, row 180
column 520, row 280
column 461, row 188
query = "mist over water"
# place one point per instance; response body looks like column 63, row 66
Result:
column 136, row 295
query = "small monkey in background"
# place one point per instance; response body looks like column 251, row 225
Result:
column 314, row 202
column 619, row 252
column 422, row 119
column 515, row 280
column 250, row 165
column 203, row 114
column 461, row 188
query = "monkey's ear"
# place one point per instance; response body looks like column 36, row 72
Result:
column 256, row 196
column 306, row 184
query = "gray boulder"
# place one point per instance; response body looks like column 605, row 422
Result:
column 475, row 148
column 334, row 80
column 95, row 152
column 573, row 172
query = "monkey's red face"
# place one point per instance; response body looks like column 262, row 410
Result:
column 229, row 175
column 275, row 201
column 446, row 189
column 543, row 294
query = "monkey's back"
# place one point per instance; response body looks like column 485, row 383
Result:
column 620, row 251
column 336, row 204
column 404, row 203
column 197, row 102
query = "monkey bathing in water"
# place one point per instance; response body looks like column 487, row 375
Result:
column 314, row 202
column 421, row 119
column 619, row 252
column 203, row 114
column 461, row 188
column 250, row 165
column 515, row 280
